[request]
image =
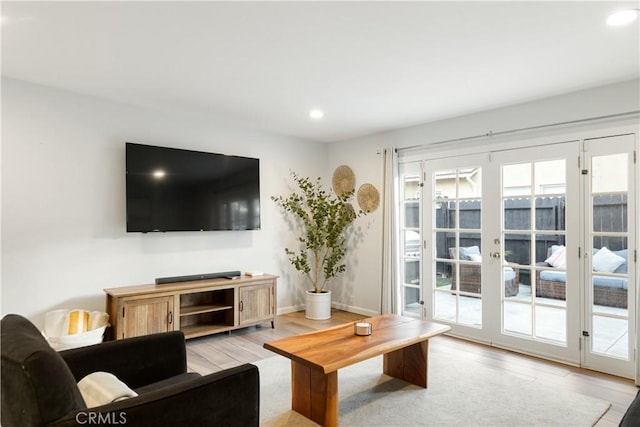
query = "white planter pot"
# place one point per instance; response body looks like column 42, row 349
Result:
column 318, row 305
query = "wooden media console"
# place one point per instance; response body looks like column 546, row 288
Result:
column 197, row 308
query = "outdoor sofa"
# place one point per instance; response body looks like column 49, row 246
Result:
column 609, row 284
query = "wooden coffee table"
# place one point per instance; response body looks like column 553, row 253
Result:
column 317, row 356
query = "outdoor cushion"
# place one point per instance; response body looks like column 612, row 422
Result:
column 558, row 257
column 600, row 281
column 606, row 261
column 610, row 282
column 475, row 258
column 553, row 276
column 509, row 274
column 553, row 248
column 466, row 252
column 624, row 253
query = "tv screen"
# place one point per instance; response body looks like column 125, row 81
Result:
column 170, row 189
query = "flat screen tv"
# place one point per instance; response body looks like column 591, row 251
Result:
column 170, row 189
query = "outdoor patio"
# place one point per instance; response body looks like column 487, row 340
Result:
column 608, row 335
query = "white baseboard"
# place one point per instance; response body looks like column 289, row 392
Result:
column 352, row 309
column 339, row 306
column 290, row 309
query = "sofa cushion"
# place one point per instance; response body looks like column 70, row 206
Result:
column 553, row 276
column 624, row 253
column 464, row 252
column 35, row 375
column 606, row 261
column 558, row 257
column 598, row 281
column 553, row 248
column 475, row 257
column 610, row 282
column 509, row 274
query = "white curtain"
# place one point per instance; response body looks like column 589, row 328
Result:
column 390, row 301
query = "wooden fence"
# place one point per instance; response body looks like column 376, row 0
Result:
column 609, row 215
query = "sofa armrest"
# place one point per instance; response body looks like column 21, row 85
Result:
column 229, row 398
column 135, row 361
column 631, row 417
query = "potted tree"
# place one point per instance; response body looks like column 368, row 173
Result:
column 323, row 219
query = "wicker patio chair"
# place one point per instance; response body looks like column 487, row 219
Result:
column 470, row 280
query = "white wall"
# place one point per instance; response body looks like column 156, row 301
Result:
column 358, row 289
column 63, row 219
column 595, row 102
column 361, row 288
column 63, row 201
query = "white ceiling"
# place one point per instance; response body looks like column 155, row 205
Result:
column 371, row 66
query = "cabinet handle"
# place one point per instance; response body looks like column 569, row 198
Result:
column 171, row 317
column 241, row 306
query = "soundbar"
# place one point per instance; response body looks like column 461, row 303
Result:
column 224, row 274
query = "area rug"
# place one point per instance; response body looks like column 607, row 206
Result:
column 461, row 392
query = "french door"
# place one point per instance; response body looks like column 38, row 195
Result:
column 458, row 264
column 610, row 218
column 508, row 244
column 539, row 239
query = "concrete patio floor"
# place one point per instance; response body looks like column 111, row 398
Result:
column 609, row 335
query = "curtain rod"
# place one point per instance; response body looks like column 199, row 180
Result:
column 505, row 132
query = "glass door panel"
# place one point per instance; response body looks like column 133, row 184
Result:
column 533, row 197
column 411, row 241
column 457, row 264
column 538, row 192
column 610, row 286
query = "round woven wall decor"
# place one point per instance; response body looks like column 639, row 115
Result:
column 344, row 180
column 368, row 197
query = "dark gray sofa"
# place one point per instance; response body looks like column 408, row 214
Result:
column 39, row 385
column 632, row 416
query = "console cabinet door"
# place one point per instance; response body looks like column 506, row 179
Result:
column 147, row 316
column 256, row 303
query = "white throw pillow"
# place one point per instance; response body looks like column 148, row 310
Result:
column 475, row 257
column 558, row 258
column 100, row 388
column 606, row 261
column 466, row 252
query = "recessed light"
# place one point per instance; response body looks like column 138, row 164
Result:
column 316, row 114
column 159, row 174
column 622, row 17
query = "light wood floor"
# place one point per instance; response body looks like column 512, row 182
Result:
column 221, row 351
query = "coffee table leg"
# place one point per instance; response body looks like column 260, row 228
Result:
column 409, row 363
column 314, row 394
